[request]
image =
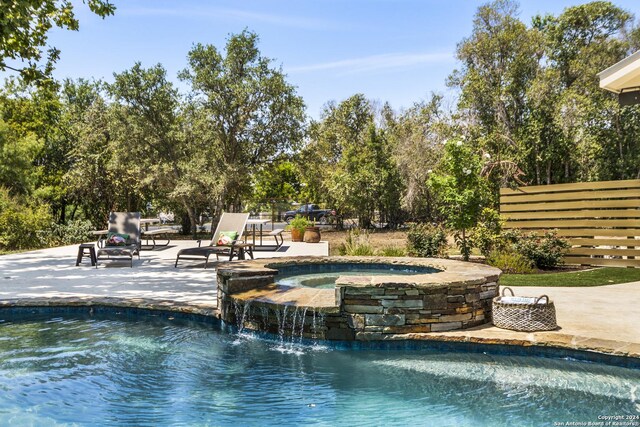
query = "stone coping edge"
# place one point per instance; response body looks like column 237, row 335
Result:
column 137, row 303
column 451, row 272
column 535, row 339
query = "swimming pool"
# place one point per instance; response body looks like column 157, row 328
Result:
column 156, row 371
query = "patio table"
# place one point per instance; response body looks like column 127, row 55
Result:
column 254, row 223
column 147, row 221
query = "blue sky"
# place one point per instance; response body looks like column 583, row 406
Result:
column 390, row 50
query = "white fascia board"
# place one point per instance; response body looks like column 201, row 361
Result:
column 623, row 75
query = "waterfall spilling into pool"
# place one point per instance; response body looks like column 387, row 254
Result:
column 359, row 298
column 294, row 326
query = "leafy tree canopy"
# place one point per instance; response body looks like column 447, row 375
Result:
column 253, row 114
column 24, row 25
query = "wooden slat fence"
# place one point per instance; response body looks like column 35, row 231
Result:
column 601, row 220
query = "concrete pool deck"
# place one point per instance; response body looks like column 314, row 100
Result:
column 603, row 319
column 52, row 274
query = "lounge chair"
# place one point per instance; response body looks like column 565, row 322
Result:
column 123, row 238
column 231, row 225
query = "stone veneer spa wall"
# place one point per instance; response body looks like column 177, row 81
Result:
column 457, row 296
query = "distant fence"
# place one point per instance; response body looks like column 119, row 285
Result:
column 601, row 220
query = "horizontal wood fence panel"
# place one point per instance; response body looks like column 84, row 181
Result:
column 588, row 214
column 562, row 205
column 605, row 252
column 593, row 232
column 601, row 185
column 604, row 242
column 577, row 195
column 566, row 223
column 603, row 261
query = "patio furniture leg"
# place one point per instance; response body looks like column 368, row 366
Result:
column 260, row 236
column 87, row 250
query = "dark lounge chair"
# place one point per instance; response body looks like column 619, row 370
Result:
column 117, row 247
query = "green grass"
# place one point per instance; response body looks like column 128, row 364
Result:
column 597, row 277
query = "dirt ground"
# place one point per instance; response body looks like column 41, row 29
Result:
column 377, row 238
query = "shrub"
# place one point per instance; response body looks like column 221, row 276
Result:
column 392, row 251
column 544, row 251
column 22, row 226
column 77, row 231
column 510, row 262
column 487, row 235
column 427, row 240
column 356, row 244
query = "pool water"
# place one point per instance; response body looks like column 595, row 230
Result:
column 324, row 276
column 161, row 372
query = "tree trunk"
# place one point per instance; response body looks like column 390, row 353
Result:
column 537, row 165
column 549, row 172
column 192, row 219
column 465, row 252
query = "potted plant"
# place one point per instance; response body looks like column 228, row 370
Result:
column 312, row 233
column 297, row 227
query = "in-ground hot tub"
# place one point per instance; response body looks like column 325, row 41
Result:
column 325, row 275
column 361, row 298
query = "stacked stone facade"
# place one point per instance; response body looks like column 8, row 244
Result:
column 375, row 312
column 366, row 307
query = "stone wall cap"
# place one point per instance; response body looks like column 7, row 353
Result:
column 452, row 272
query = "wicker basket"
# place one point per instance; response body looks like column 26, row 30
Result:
column 525, row 314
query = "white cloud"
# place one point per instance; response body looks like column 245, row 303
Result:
column 376, row 62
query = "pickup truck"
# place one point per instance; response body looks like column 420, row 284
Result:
column 313, row 212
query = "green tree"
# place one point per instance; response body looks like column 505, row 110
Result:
column 340, row 125
column 416, row 136
column 499, row 61
column 366, row 180
column 29, row 126
column 153, row 143
column 349, row 163
column 461, row 190
column 597, row 136
column 24, row 25
column 97, row 182
column 278, row 181
column 17, row 156
column 253, row 115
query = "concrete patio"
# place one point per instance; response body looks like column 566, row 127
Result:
column 52, row 273
column 604, row 319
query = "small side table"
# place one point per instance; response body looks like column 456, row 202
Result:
column 87, row 250
column 241, row 250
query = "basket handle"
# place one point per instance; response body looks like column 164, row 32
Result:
column 540, row 297
column 510, row 290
